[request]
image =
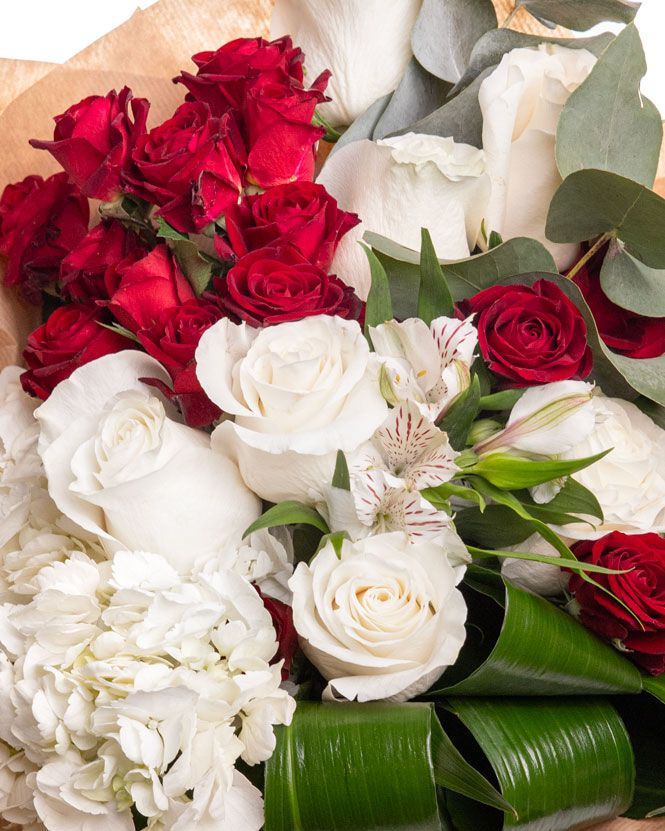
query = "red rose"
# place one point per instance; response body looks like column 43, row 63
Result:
column 287, row 637
column 642, row 590
column 261, row 83
column 530, row 336
column 301, row 215
column 93, row 141
column 141, row 290
column 83, row 270
column 223, row 75
column 191, row 166
column 173, row 341
column 40, row 222
column 271, row 286
column 627, row 333
column 70, row 338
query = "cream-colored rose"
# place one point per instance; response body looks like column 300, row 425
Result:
column 521, row 102
column 383, row 619
column 398, row 186
column 299, row 391
column 629, row 483
column 539, row 578
column 120, row 467
column 365, row 43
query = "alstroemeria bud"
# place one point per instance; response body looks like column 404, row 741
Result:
column 546, row 421
column 482, row 429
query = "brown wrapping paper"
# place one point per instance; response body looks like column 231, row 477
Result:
column 143, row 53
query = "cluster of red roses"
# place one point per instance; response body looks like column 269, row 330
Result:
column 247, row 123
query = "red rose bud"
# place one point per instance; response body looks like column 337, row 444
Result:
column 191, row 166
column 146, row 287
column 301, row 215
column 72, row 336
column 627, row 333
column 93, row 141
column 224, row 75
column 287, row 637
column 83, row 270
column 271, row 286
column 41, row 221
column 530, row 336
column 640, row 627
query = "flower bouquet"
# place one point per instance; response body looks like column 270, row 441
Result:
column 333, row 492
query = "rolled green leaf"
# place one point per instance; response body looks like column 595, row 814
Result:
column 540, row 650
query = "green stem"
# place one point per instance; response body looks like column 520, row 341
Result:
column 510, row 17
column 606, row 237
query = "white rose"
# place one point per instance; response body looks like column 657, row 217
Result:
column 539, row 578
column 120, row 468
column 398, row 186
column 521, row 102
column 629, row 483
column 383, row 620
column 299, row 391
column 365, row 44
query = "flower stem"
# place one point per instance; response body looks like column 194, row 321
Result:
column 606, row 237
column 509, row 19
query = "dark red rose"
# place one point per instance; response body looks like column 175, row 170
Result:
column 140, row 290
column 287, row 637
column 223, row 75
column 173, row 341
column 83, row 270
column 40, row 222
column 93, row 141
column 191, row 166
column 271, row 286
column 72, row 336
column 640, row 627
column 301, row 215
column 627, row 333
column 530, row 336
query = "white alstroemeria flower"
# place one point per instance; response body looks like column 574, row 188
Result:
column 120, row 467
column 398, row 186
column 299, row 391
column 429, row 365
column 383, row 619
column 521, row 102
column 546, row 421
column 352, row 40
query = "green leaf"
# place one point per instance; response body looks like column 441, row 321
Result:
column 440, row 495
column 509, row 472
column 166, row 231
column 119, row 330
column 336, row 539
column 496, row 527
column 581, row 15
column 622, row 130
column 379, row 307
column 504, row 400
column 341, row 478
column 573, row 498
column 353, row 766
column 495, row 240
column 193, row 264
column 656, row 412
column 363, row 127
column 418, row 94
column 631, row 284
column 540, row 650
column 459, row 418
column 492, row 46
column 332, row 135
column 446, row 31
column 573, row 565
column 289, row 512
column 589, row 203
column 561, row 763
column 434, row 298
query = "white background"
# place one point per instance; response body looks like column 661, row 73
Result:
column 54, row 30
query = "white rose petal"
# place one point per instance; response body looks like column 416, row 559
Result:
column 398, row 186
column 539, row 578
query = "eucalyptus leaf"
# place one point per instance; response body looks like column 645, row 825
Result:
column 363, row 127
column 590, row 203
column 581, row 15
column 492, row 46
column 561, row 763
column 419, row 93
column 289, row 512
column 656, row 412
column 434, row 298
column 631, row 284
column 459, row 418
column 606, row 124
column 446, row 31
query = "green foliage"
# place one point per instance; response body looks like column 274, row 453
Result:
column 434, row 298
column 459, row 418
column 581, row 15
column 631, row 284
column 341, row 478
column 378, row 308
column 289, row 512
column 509, row 472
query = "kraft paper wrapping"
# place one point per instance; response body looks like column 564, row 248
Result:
column 143, row 53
